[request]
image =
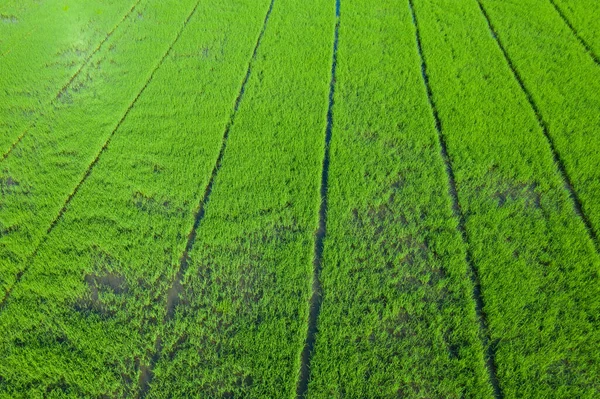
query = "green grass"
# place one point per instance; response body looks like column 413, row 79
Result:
column 582, row 15
column 397, row 317
column 107, row 298
column 538, row 266
column 13, row 14
column 564, row 82
column 167, row 180
column 43, row 46
column 45, row 168
column 247, row 287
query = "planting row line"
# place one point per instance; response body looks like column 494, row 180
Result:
column 241, row 326
column 175, row 289
column 420, row 195
column 46, row 167
column 581, row 16
column 46, row 51
column 87, row 325
column 563, row 82
column 397, row 314
column 534, row 256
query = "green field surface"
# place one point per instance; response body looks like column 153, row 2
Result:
column 300, row 199
column 581, row 16
column 46, row 45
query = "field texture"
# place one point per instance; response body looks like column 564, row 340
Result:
column 300, row 199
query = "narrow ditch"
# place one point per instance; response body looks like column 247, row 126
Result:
column 585, row 45
column 91, row 166
column 147, row 371
column 577, row 205
column 316, row 298
column 473, row 272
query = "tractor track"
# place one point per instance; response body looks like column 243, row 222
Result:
column 577, row 204
column 490, row 355
column 317, row 298
column 147, row 371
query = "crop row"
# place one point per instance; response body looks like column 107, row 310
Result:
column 398, row 318
column 564, row 82
column 582, row 18
column 175, row 289
column 87, row 325
column 241, row 325
column 45, row 49
column 536, row 261
column 49, row 163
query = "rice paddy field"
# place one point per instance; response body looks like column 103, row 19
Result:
column 300, row 199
